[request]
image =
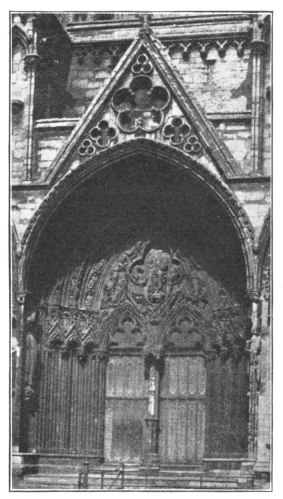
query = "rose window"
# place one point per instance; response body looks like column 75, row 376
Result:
column 141, row 106
column 99, row 136
column 180, row 134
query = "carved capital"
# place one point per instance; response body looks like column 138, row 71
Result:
column 253, row 296
column 22, row 296
column 31, row 61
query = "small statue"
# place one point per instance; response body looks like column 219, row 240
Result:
column 31, row 356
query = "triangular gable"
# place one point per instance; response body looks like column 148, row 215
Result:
column 145, row 97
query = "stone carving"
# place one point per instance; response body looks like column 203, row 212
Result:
column 92, row 283
column 100, row 137
column 142, row 65
column 115, row 286
column 31, row 357
column 265, row 287
column 204, row 46
column 141, row 106
column 192, row 145
column 180, row 135
column 127, row 333
column 230, row 329
column 147, row 297
column 103, row 134
column 186, row 334
column 55, row 295
column 176, row 130
column 111, row 54
column 87, row 148
column 153, row 277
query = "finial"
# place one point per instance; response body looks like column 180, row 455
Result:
column 145, row 28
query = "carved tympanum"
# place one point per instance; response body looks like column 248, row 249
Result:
column 144, row 297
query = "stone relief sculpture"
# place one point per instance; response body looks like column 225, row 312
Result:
column 147, row 297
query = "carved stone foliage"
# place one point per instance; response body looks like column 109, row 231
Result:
column 265, row 285
column 180, row 134
column 148, row 298
column 204, row 46
column 140, row 106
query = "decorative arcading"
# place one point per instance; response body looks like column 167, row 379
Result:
column 97, row 52
column 204, row 46
column 145, row 297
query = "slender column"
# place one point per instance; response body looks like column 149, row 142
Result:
column 31, row 62
column 102, row 359
column 258, row 51
column 20, row 379
column 253, row 347
column 151, row 455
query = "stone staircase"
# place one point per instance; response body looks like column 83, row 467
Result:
column 50, row 475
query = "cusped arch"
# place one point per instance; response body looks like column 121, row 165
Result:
column 19, row 36
column 143, row 148
column 182, row 313
column 110, row 324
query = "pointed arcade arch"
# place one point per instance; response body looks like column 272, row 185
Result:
column 131, row 151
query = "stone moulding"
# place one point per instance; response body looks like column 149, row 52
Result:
column 146, row 52
column 138, row 147
column 203, row 46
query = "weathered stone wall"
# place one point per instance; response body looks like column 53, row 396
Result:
column 20, row 97
column 255, row 198
column 266, row 163
column 24, row 204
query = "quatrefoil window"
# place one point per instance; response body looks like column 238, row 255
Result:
column 103, row 134
column 142, row 65
column 140, row 107
column 100, row 136
column 180, row 134
column 176, row 131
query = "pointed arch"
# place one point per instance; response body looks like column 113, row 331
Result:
column 19, row 36
column 124, row 152
column 263, row 246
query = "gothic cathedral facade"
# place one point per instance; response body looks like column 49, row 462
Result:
column 140, row 248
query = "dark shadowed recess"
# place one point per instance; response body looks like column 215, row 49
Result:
column 139, row 200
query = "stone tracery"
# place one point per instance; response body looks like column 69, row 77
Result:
column 145, row 297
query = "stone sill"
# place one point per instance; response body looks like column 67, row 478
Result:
column 56, row 123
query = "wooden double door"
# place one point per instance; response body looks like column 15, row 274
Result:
column 172, row 393
column 113, row 407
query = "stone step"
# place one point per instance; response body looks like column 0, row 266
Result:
column 70, row 481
